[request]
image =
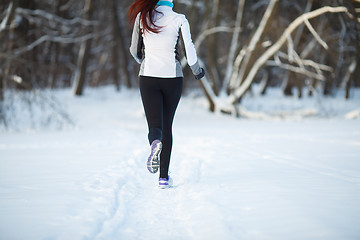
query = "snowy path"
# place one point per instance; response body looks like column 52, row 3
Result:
column 234, row 179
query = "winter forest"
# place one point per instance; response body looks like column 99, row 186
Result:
column 266, row 146
column 299, row 46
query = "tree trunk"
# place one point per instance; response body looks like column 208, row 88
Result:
column 353, row 71
column 234, row 45
column 209, row 93
column 212, row 66
column 10, row 15
column 264, row 84
column 80, row 72
column 55, row 48
column 115, row 53
column 348, row 77
column 120, row 36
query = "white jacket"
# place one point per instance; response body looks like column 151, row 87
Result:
column 160, row 58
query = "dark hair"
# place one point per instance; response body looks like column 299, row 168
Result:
column 147, row 11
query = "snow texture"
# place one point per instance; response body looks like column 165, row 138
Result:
column 287, row 177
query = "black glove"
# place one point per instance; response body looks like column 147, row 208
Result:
column 200, row 75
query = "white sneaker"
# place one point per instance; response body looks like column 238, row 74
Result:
column 165, row 183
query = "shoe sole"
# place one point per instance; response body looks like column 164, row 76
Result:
column 153, row 162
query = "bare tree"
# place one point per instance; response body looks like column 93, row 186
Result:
column 251, row 63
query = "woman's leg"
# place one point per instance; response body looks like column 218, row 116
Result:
column 160, row 97
column 172, row 89
column 152, row 99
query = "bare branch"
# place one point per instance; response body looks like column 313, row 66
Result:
column 349, row 72
column 291, row 49
column 308, row 62
column 296, row 69
column 211, row 31
column 315, row 34
column 59, row 39
column 237, row 64
column 204, row 35
column 308, row 48
column 53, row 17
column 297, row 59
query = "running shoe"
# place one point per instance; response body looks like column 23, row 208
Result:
column 153, row 162
column 165, row 183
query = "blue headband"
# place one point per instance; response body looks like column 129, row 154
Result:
column 165, row 3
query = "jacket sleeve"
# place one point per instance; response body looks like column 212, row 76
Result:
column 135, row 44
column 190, row 48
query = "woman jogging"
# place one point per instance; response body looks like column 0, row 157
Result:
column 155, row 38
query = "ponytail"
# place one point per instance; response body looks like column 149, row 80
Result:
column 147, row 11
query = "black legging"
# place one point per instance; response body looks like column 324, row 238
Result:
column 160, row 97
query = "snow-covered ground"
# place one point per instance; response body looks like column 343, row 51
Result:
column 290, row 176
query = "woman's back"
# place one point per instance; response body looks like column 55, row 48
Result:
column 160, row 57
column 160, row 47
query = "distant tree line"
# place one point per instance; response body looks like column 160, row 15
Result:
column 308, row 45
